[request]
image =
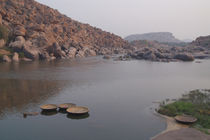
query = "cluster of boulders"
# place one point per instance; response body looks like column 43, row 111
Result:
column 155, row 51
column 40, row 32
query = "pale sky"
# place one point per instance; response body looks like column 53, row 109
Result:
column 186, row 19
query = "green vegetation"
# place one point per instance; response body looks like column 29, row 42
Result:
column 21, row 54
column 196, row 103
column 4, row 33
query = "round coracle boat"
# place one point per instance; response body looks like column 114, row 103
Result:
column 78, row 110
column 49, row 107
column 66, row 105
column 185, row 119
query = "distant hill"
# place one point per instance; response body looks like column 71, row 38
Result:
column 163, row 37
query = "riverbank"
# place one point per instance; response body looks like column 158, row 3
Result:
column 194, row 103
column 179, row 131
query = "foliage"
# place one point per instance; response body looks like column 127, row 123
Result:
column 4, row 33
column 21, row 54
column 196, row 103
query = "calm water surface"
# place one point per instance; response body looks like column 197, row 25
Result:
column 118, row 94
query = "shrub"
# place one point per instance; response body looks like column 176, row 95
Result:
column 196, row 103
column 4, row 33
column 21, row 54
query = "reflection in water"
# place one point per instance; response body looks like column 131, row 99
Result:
column 78, row 117
column 18, row 94
column 62, row 111
column 49, row 113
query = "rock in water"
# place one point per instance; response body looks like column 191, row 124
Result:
column 2, row 43
column 184, row 57
column 15, row 57
column 6, row 59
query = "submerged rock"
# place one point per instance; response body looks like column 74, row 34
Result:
column 6, row 58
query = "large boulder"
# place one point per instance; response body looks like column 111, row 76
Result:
column 15, row 57
column 55, row 49
column 2, row 43
column 44, row 55
column 17, row 45
column 19, row 31
column 149, row 55
column 184, row 57
column 89, row 52
column 72, row 52
column 80, row 54
column 30, row 51
column 6, row 58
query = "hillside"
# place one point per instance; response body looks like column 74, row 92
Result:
column 38, row 32
column 203, row 41
column 165, row 37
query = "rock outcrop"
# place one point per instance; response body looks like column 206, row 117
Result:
column 41, row 32
column 203, row 41
column 155, row 51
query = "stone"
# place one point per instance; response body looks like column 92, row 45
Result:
column 30, row 51
column 184, row 57
column 2, row 43
column 17, row 45
column 15, row 57
column 89, row 52
column 6, row 59
column 26, row 59
column 107, row 57
column 72, row 52
column 19, row 31
column 44, row 55
column 80, row 54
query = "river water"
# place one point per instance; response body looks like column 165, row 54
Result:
column 119, row 94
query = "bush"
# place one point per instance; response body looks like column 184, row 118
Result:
column 21, row 54
column 4, row 33
column 196, row 103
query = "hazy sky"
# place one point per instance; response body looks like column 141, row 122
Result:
column 185, row 18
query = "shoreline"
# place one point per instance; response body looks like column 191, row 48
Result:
column 171, row 125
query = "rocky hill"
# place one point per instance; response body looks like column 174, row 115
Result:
column 203, row 41
column 156, row 36
column 36, row 31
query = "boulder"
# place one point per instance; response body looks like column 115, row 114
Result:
column 30, row 51
column 15, row 57
column 44, row 55
column 184, row 57
column 107, row 57
column 72, row 52
column 80, row 54
column 19, row 31
column 26, row 59
column 6, row 58
column 55, row 49
column 149, row 56
column 89, row 52
column 17, row 45
column 2, row 43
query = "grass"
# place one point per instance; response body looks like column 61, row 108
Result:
column 196, row 103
